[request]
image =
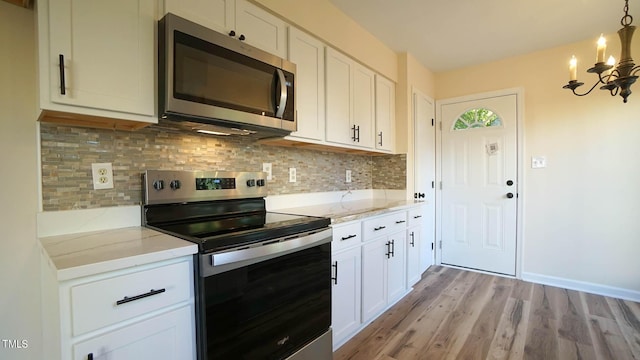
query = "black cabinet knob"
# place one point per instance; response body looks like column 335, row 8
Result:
column 232, row 33
column 509, row 182
column 241, row 38
column 510, row 195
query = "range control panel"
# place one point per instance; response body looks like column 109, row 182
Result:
column 169, row 186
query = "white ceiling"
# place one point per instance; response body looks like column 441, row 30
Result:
column 450, row 34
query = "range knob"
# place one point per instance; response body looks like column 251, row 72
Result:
column 251, row 182
column 158, row 184
column 175, row 184
column 260, row 182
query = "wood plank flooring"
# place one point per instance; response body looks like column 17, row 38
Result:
column 456, row 314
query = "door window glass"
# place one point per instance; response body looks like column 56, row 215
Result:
column 477, row 118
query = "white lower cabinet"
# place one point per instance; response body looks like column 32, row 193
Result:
column 143, row 312
column 383, row 273
column 345, row 295
column 154, row 338
column 414, row 246
column 375, row 261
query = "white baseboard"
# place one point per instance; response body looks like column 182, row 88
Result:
column 604, row 290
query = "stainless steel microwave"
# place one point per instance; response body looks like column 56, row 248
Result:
column 208, row 81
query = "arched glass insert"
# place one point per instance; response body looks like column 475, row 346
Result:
column 477, row 118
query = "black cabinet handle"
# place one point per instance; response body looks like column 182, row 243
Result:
column 151, row 292
column 413, row 240
column 401, row 221
column 388, row 253
column 353, row 137
column 379, row 228
column 358, row 132
column 63, row 90
column 393, row 248
column 335, row 278
column 417, row 216
column 348, row 237
column 90, row 356
column 380, row 143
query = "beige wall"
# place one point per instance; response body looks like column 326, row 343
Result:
column 581, row 212
column 19, row 262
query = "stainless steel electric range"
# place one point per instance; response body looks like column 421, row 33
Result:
column 263, row 279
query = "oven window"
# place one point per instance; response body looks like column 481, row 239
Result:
column 209, row 74
column 271, row 309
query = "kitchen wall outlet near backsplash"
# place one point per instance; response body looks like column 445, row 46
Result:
column 348, row 176
column 266, row 167
column 102, row 176
column 292, row 175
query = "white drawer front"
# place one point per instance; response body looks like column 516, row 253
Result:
column 376, row 227
column 415, row 216
column 398, row 221
column 346, row 235
column 101, row 303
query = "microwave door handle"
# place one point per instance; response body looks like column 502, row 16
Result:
column 283, row 93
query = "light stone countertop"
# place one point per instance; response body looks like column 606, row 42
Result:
column 76, row 255
column 345, row 211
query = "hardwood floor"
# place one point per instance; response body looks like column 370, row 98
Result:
column 456, row 314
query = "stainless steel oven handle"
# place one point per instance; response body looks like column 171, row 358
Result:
column 258, row 253
column 283, row 94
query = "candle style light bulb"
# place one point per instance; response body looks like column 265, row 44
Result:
column 611, row 62
column 602, row 46
column 573, row 68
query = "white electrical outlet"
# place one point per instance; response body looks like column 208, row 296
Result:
column 102, row 176
column 266, row 167
column 292, row 174
column 348, row 176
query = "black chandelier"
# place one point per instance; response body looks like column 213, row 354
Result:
column 615, row 78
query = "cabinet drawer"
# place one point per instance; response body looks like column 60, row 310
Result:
column 105, row 302
column 384, row 225
column 415, row 216
column 346, row 235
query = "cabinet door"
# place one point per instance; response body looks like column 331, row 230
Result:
column 385, row 114
column 218, row 15
column 167, row 336
column 363, row 105
column 374, row 264
column 345, row 308
column 338, row 100
column 108, row 51
column 414, row 248
column 396, row 271
column 307, row 53
column 260, row 28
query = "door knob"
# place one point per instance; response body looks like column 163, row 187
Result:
column 509, row 195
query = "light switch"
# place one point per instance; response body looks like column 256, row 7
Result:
column 538, row 162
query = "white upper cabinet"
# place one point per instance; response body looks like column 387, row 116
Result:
column 349, row 102
column 261, row 28
column 218, row 15
column 238, row 18
column 307, row 53
column 385, row 114
column 97, row 58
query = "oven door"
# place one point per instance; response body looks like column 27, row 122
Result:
column 269, row 306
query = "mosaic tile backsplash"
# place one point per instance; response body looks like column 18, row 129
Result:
column 68, row 152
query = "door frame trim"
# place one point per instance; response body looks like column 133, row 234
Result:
column 519, row 93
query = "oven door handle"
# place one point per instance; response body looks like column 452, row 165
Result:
column 271, row 249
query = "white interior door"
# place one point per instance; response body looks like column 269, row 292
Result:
column 479, row 182
column 425, row 171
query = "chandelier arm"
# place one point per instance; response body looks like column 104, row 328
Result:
column 587, row 93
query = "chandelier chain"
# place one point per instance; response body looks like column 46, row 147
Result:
column 626, row 19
